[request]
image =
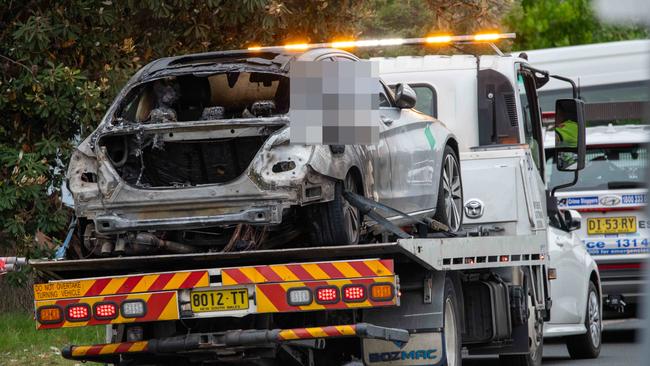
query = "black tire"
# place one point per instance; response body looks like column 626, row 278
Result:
column 451, row 326
column 449, row 208
column 337, row 222
column 588, row 345
column 535, row 341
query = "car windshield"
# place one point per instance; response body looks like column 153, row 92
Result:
column 606, row 167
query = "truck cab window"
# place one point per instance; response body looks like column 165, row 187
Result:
column 530, row 113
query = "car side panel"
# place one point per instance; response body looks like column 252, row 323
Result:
column 416, row 143
column 569, row 290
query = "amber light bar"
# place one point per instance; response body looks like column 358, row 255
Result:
column 437, row 39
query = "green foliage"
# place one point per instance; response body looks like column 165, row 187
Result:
column 21, row 344
column 556, row 23
column 62, row 62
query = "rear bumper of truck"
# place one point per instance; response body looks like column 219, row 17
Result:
column 306, row 337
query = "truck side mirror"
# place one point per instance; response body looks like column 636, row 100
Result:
column 570, row 144
column 405, row 96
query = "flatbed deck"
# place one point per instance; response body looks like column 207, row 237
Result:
column 430, row 253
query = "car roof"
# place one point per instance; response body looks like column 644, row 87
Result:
column 609, row 135
column 279, row 55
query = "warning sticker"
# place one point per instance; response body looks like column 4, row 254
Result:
column 61, row 290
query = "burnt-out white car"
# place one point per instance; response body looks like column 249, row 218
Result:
column 194, row 155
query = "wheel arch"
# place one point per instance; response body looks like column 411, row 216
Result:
column 358, row 178
column 595, row 278
column 451, row 141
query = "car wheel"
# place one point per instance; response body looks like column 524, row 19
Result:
column 588, row 345
column 337, row 222
column 451, row 329
column 449, row 209
column 535, row 341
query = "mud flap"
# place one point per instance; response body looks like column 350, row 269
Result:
column 422, row 349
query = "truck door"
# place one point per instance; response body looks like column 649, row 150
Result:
column 531, row 118
column 531, row 128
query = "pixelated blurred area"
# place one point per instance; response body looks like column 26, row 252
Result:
column 334, row 103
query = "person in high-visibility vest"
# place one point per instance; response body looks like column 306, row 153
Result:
column 566, row 136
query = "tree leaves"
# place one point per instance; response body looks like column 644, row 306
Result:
column 63, row 62
column 557, row 23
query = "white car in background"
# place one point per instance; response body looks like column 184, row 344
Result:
column 611, row 196
column 576, row 313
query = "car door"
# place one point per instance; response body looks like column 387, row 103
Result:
column 412, row 144
column 568, row 291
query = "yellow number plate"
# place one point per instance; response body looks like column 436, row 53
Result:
column 611, row 225
column 219, row 300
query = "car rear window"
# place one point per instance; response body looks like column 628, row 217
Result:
column 607, row 167
column 222, row 95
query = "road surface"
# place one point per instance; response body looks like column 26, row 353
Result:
column 620, row 347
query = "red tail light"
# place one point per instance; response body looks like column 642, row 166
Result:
column 327, row 295
column 105, row 310
column 77, row 312
column 354, row 293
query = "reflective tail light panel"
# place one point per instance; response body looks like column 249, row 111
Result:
column 327, row 295
column 354, row 293
column 77, row 312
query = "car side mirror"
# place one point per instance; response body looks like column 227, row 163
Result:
column 572, row 219
column 570, row 144
column 405, row 96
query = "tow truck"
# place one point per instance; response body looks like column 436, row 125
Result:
column 404, row 301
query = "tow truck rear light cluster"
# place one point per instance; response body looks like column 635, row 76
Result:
column 77, row 312
column 81, row 312
column 133, row 309
column 299, row 297
column 50, row 314
column 354, row 293
column 382, row 291
column 105, row 310
column 327, row 295
column 303, row 296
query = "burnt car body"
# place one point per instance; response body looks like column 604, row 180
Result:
column 194, row 155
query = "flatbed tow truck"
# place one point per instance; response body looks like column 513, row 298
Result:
column 409, row 301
